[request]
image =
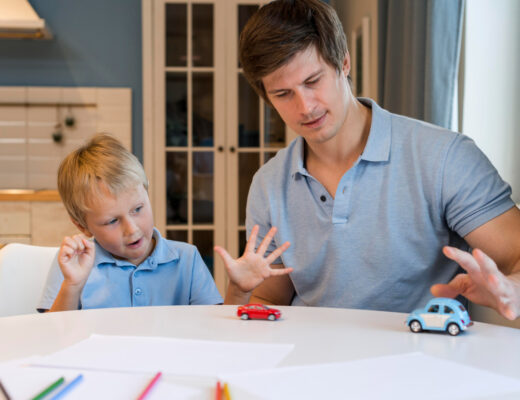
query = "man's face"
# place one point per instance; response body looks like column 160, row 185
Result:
column 310, row 95
column 122, row 224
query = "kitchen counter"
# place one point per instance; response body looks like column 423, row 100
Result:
column 29, row 195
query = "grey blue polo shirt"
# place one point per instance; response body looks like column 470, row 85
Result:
column 174, row 274
column 377, row 243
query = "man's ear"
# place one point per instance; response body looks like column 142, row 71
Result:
column 82, row 229
column 346, row 64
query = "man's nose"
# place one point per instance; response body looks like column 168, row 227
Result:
column 304, row 102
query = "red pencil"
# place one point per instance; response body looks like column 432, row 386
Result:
column 218, row 392
column 149, row 387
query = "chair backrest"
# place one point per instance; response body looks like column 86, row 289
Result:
column 23, row 272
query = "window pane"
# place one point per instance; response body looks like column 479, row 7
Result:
column 176, row 16
column 202, row 109
column 176, row 188
column 176, row 109
column 248, row 110
column 180, row 236
column 204, row 242
column 202, row 35
column 248, row 163
column 274, row 128
column 203, row 187
column 241, row 242
column 244, row 13
column 268, row 155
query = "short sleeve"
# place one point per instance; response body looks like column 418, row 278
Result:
column 51, row 288
column 473, row 192
column 258, row 213
column 203, row 289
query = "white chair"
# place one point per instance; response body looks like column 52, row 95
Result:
column 23, row 272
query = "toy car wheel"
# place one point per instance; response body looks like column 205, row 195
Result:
column 415, row 326
column 244, row 316
column 453, row 329
column 271, row 317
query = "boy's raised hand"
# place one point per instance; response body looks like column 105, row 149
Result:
column 250, row 270
column 76, row 259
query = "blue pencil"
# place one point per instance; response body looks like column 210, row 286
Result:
column 68, row 387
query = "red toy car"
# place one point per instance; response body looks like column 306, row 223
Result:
column 258, row 311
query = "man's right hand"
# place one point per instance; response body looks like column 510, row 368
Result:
column 76, row 259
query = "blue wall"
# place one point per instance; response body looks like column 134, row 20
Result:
column 95, row 43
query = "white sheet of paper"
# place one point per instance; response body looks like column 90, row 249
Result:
column 168, row 355
column 407, row 376
column 26, row 382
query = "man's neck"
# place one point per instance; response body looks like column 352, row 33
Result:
column 343, row 150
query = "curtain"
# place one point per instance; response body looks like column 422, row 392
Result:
column 419, row 48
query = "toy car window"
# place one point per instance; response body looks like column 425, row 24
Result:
column 448, row 310
column 462, row 308
column 434, row 308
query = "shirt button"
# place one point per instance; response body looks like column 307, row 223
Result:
column 323, row 198
column 138, row 291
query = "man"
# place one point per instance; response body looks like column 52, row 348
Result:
column 369, row 200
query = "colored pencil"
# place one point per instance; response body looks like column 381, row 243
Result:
column 149, row 387
column 49, row 389
column 4, row 391
column 69, row 386
column 218, row 391
column 227, row 395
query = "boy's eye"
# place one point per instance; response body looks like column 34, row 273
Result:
column 111, row 222
column 138, row 209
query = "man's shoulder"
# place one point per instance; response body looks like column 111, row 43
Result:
column 282, row 164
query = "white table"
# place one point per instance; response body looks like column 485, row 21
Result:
column 320, row 335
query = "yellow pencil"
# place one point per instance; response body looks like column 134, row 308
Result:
column 227, row 396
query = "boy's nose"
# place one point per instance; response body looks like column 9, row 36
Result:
column 130, row 227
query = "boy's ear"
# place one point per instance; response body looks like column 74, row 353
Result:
column 82, row 229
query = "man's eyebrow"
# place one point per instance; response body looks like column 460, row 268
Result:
column 309, row 78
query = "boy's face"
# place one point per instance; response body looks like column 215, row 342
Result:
column 122, row 225
column 310, row 95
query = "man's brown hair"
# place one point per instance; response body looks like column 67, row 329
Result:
column 281, row 29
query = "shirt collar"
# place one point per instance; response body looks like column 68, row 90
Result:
column 377, row 147
column 162, row 253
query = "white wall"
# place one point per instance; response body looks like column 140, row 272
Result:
column 491, row 109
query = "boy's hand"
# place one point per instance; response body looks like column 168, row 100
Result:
column 76, row 259
column 250, row 270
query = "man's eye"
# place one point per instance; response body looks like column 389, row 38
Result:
column 281, row 94
column 313, row 81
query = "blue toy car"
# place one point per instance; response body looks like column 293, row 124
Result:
column 440, row 314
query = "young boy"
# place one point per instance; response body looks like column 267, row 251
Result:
column 128, row 264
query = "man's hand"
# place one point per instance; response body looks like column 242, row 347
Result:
column 76, row 259
column 483, row 284
column 250, row 270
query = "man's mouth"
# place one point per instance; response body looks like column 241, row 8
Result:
column 315, row 122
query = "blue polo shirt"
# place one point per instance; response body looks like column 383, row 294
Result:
column 377, row 243
column 174, row 274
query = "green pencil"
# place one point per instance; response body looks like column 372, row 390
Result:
column 49, row 389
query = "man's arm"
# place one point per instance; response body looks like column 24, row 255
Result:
column 493, row 268
column 277, row 290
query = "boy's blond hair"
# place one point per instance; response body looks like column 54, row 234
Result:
column 102, row 160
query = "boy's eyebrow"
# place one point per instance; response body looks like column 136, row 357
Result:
column 309, row 78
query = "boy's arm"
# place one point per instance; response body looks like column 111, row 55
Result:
column 76, row 259
column 252, row 269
